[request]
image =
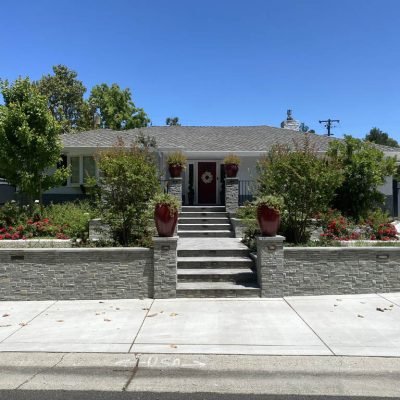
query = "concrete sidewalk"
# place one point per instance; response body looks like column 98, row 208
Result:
column 354, row 325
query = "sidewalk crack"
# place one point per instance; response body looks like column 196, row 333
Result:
column 41, row 371
column 22, row 327
column 309, row 326
column 132, row 375
column 141, row 325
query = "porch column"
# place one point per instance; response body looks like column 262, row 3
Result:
column 231, row 195
column 165, row 264
column 175, row 189
column 271, row 266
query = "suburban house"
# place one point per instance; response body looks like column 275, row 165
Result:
column 205, row 148
column 203, row 181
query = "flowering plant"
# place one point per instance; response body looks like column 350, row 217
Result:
column 337, row 227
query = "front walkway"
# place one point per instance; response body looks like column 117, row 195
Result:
column 359, row 325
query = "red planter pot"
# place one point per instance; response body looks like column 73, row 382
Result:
column 231, row 170
column 269, row 220
column 165, row 221
column 175, row 170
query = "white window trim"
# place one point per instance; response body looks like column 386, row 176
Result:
column 80, row 156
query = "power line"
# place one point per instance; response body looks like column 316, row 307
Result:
column 328, row 124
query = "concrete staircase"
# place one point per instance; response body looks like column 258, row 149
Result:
column 211, row 262
column 211, row 221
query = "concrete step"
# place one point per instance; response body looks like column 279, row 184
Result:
column 204, row 233
column 204, row 227
column 212, row 253
column 234, row 275
column 214, row 262
column 203, row 208
column 203, row 220
column 203, row 214
column 217, row 289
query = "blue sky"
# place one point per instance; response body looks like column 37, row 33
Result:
column 222, row 62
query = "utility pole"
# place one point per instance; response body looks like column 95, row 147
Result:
column 328, row 124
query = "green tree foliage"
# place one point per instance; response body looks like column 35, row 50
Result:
column 116, row 108
column 304, row 180
column 129, row 181
column 377, row 136
column 29, row 140
column 365, row 168
column 305, row 128
column 65, row 99
column 172, row 121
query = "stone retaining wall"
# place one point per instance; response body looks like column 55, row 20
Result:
column 76, row 273
column 298, row 271
column 315, row 271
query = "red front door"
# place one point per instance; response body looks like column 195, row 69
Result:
column 207, row 182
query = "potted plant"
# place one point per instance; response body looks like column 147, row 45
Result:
column 231, row 162
column 269, row 209
column 176, row 163
column 165, row 214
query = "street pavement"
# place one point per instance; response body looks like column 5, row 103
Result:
column 353, row 325
column 46, row 374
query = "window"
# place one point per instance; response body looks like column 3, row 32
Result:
column 89, row 167
column 82, row 167
column 75, row 170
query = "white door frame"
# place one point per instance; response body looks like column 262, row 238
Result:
column 195, row 179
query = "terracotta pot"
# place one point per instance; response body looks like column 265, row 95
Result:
column 269, row 220
column 175, row 170
column 231, row 170
column 165, row 221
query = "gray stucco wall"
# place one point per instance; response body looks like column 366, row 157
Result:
column 68, row 274
column 319, row 271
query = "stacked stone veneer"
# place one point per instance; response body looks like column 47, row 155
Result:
column 57, row 274
column 231, row 195
column 325, row 270
column 175, row 189
column 165, row 265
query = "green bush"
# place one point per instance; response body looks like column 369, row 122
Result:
column 247, row 211
column 304, row 180
column 129, row 181
column 250, row 234
column 365, row 168
column 73, row 217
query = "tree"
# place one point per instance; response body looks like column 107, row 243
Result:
column 29, row 140
column 377, row 136
column 305, row 128
column 304, row 180
column 65, row 99
column 172, row 121
column 130, row 179
column 365, row 168
column 116, row 108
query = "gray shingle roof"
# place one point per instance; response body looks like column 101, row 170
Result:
column 200, row 138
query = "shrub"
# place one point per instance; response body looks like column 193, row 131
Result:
column 247, row 211
column 74, row 217
column 365, row 168
column 129, row 181
column 338, row 227
column 304, row 180
column 250, row 234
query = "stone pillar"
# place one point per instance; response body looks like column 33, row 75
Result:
column 270, row 266
column 175, row 189
column 165, row 263
column 231, row 195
